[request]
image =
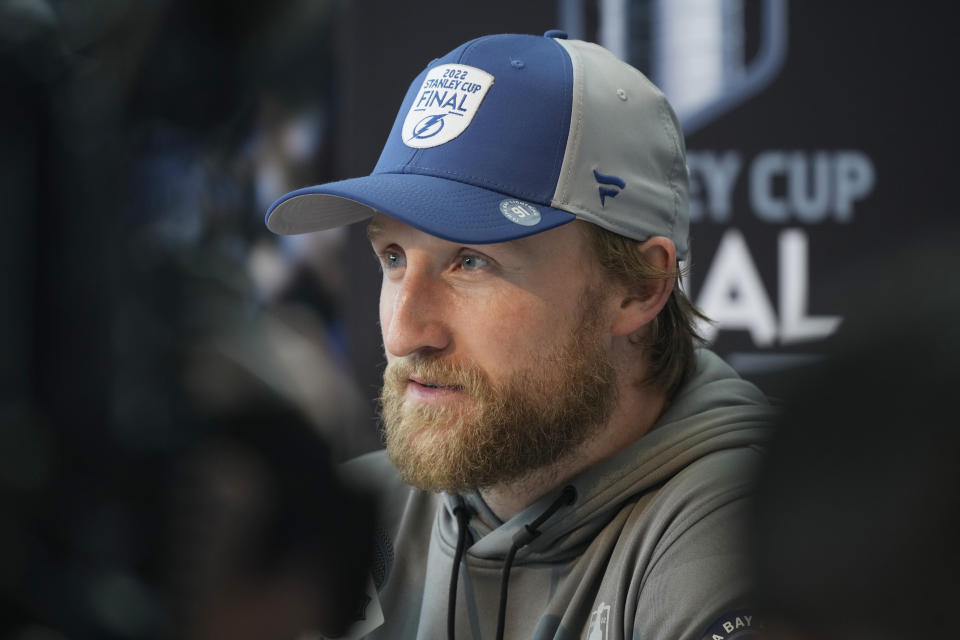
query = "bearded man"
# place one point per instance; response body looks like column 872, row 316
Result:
column 561, row 461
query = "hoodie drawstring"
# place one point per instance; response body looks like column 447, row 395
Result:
column 522, row 538
column 463, row 516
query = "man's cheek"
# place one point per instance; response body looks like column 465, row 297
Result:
column 385, row 317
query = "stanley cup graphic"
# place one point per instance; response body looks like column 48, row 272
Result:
column 696, row 51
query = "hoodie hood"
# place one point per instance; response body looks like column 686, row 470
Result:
column 713, row 411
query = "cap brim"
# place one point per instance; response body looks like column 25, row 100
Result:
column 444, row 208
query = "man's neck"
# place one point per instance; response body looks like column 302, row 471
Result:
column 636, row 413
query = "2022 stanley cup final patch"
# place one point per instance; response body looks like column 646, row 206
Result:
column 735, row 625
column 445, row 105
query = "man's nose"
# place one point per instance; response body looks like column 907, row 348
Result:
column 416, row 320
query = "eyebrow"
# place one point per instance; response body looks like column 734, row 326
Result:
column 374, row 230
column 518, row 246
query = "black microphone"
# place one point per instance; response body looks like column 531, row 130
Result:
column 383, row 558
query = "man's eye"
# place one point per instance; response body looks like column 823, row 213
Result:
column 392, row 260
column 471, row 263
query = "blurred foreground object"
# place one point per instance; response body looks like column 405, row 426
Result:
column 264, row 540
column 240, row 530
column 153, row 483
column 859, row 498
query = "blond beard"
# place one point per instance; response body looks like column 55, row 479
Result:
column 504, row 432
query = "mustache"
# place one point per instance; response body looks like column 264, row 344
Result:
column 436, row 372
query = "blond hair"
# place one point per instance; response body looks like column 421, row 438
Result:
column 669, row 343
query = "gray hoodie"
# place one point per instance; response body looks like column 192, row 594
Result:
column 651, row 547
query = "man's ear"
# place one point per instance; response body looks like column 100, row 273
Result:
column 640, row 302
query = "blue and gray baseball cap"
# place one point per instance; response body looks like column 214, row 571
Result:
column 510, row 135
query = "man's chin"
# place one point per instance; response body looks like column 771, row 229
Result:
column 423, row 476
column 417, row 455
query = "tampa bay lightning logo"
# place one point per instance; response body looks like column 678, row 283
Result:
column 607, row 184
column 428, row 126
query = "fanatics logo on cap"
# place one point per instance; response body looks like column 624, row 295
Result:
column 608, row 191
column 445, row 105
